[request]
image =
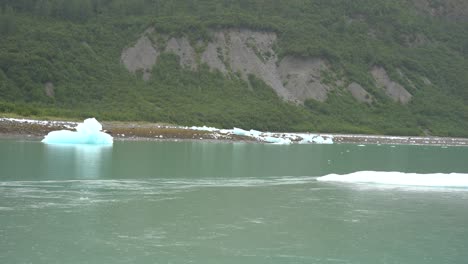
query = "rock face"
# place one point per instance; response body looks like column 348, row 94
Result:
column 244, row 52
column 142, row 56
column 252, row 52
column 182, row 48
column 451, row 9
column 415, row 40
column 359, row 93
column 239, row 51
column 302, row 77
column 426, row 81
column 215, row 54
column 49, row 89
column 392, row 89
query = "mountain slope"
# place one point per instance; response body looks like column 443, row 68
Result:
column 337, row 66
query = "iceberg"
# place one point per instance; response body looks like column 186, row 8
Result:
column 451, row 180
column 311, row 138
column 240, row 132
column 276, row 140
column 255, row 133
column 88, row 132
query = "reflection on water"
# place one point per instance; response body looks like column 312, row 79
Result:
column 78, row 161
column 29, row 160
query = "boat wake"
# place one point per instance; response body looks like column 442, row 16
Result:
column 73, row 193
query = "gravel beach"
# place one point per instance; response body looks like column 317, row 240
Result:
column 28, row 128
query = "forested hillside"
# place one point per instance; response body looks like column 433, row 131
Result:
column 362, row 66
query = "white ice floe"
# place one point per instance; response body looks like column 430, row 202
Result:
column 318, row 139
column 277, row 140
column 204, row 128
column 451, row 180
column 270, row 137
column 240, row 132
column 88, row 132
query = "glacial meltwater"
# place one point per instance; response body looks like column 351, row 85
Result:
column 200, row 202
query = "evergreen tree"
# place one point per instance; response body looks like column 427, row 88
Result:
column 7, row 21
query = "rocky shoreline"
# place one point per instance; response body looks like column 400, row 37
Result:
column 36, row 129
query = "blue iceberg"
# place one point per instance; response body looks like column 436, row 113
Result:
column 88, row 132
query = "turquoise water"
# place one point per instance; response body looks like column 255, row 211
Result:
column 195, row 202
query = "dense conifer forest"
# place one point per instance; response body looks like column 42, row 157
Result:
column 62, row 58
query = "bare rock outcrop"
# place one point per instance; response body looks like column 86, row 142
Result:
column 252, row 53
column 359, row 93
column 426, row 81
column 456, row 10
column 141, row 56
column 49, row 89
column 215, row 53
column 393, row 89
column 415, row 40
column 182, row 48
column 240, row 51
column 302, row 77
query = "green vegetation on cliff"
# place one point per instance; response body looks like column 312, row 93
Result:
column 62, row 58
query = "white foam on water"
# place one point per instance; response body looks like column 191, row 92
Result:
column 68, row 194
column 448, row 180
column 56, row 186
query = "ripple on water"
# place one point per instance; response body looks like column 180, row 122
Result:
column 77, row 193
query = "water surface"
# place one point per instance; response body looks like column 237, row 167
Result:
column 195, row 202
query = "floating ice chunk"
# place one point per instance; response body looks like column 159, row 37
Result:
column 318, row 140
column 88, row 132
column 255, row 133
column 399, row 178
column 284, row 141
column 204, row 128
column 272, row 139
column 306, row 138
column 292, row 136
column 268, row 137
column 276, row 140
column 240, row 132
column 322, row 140
column 225, row 131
